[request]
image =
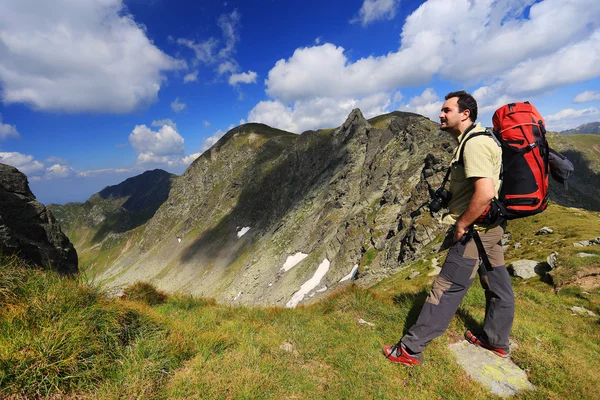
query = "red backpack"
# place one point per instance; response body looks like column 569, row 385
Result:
column 521, row 131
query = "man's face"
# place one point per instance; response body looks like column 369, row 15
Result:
column 450, row 117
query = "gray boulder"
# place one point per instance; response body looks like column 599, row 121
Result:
column 524, row 268
column 545, row 231
column 28, row 229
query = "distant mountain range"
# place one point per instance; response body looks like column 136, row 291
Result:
column 592, row 127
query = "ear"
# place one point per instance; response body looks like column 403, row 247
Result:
column 466, row 114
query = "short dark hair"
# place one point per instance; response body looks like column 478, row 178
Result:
column 465, row 102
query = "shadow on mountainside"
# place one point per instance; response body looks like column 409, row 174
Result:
column 142, row 195
column 584, row 184
column 314, row 158
column 122, row 221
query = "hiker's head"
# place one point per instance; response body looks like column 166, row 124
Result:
column 458, row 112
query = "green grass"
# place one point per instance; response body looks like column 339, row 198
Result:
column 62, row 337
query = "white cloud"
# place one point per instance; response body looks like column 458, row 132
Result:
column 191, row 77
column 428, row 104
column 318, row 40
column 324, row 71
column 210, row 141
column 587, row 96
column 317, row 113
column 177, row 106
column 156, row 147
column 374, row 10
column 23, row 162
column 97, row 172
column 7, row 131
column 229, row 24
column 221, row 52
column 244, row 77
column 206, row 123
column 59, row 171
column 166, row 121
column 462, row 41
column 76, row 56
column 570, row 118
column 190, row 158
column 204, row 51
column 227, row 67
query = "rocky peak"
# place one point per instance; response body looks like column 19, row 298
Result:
column 12, row 180
column 28, row 229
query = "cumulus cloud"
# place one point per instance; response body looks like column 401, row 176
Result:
column 587, row 96
column 191, row 77
column 244, row 77
column 428, row 104
column 462, row 41
column 177, row 106
column 7, row 131
column 570, row 118
column 75, row 56
column 59, row 171
column 317, row 113
column 375, row 10
column 25, row 163
column 156, row 147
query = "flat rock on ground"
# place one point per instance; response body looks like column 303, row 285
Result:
column 500, row 375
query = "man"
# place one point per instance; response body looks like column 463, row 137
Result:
column 473, row 184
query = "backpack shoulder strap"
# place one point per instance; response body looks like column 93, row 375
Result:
column 464, row 143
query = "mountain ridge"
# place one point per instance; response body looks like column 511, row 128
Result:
column 590, row 128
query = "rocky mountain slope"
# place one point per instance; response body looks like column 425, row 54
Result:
column 584, row 185
column 28, row 229
column 591, row 128
column 269, row 217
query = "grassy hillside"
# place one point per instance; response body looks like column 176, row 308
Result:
column 61, row 337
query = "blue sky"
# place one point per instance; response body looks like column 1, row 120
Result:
column 95, row 91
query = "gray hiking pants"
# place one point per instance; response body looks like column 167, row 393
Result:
column 451, row 285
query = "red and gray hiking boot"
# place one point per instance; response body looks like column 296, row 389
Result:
column 480, row 341
column 399, row 355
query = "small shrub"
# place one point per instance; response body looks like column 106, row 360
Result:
column 144, row 292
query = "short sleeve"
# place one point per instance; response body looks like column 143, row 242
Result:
column 481, row 158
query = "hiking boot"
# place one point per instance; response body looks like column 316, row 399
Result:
column 482, row 342
column 399, row 355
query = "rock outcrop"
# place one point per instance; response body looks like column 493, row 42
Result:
column 28, row 229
